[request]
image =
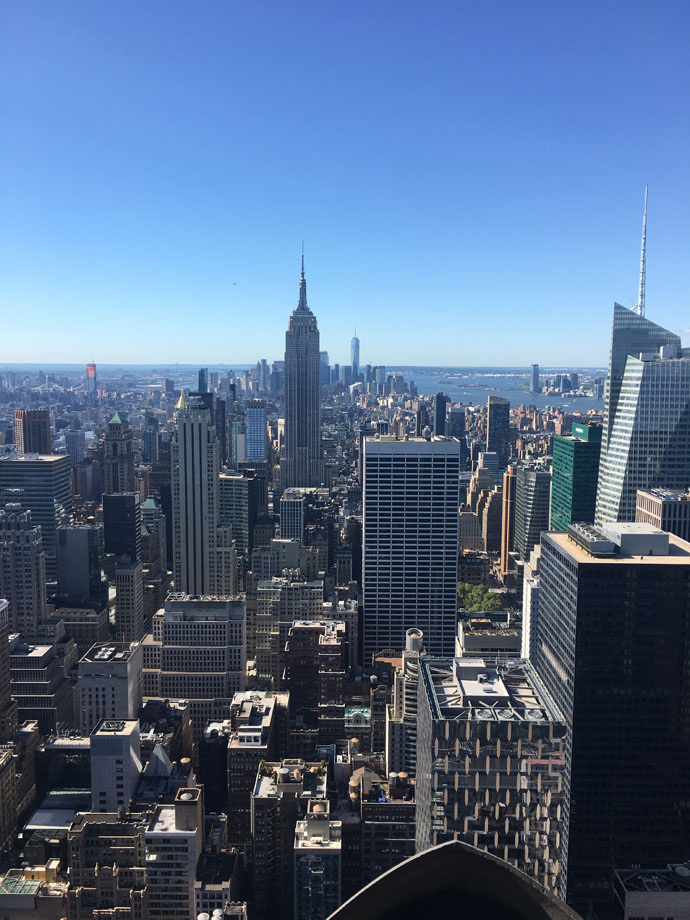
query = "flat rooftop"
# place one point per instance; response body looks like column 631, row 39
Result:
column 109, row 651
column 678, row 550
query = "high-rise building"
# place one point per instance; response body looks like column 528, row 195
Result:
column 22, row 570
column 129, row 601
column 354, row 356
column 498, row 429
column 410, row 542
column 109, row 683
column 535, row 386
column 32, row 431
column 257, row 441
column 439, row 414
column 8, row 707
column 39, row 686
column 80, row 566
column 613, row 606
column 532, row 499
column 646, row 434
column 302, row 464
column 325, row 368
column 118, row 462
column 292, row 515
column 490, row 763
column 318, row 863
column 203, row 557
column 115, row 763
column 122, row 525
column 575, row 474
column 43, row 485
column 667, row 509
column 401, row 713
column 91, row 382
column 508, row 519
column 203, row 380
column 75, row 445
column 197, row 652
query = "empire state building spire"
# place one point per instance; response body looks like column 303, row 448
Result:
column 302, row 307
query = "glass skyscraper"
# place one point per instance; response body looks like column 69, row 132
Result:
column 646, row 437
column 575, row 472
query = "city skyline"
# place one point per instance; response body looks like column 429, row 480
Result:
column 419, row 211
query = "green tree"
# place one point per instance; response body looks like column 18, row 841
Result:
column 477, row 598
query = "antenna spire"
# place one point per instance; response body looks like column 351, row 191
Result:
column 303, row 249
column 643, row 261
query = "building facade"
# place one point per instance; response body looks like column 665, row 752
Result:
column 575, row 474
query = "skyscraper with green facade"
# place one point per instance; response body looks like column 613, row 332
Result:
column 575, row 474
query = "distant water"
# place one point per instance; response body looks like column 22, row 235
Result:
column 474, row 388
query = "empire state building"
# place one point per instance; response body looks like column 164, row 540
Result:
column 302, row 465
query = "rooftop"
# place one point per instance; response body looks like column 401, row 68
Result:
column 617, row 544
column 110, row 651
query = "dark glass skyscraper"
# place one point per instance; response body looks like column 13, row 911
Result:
column 498, row 429
column 532, row 495
column 575, row 472
column 302, row 464
column 439, row 412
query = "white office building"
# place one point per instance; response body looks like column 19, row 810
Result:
column 109, row 683
column 115, row 764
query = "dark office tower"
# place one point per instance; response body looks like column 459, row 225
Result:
column 22, row 570
column 325, row 368
column 79, row 566
column 410, row 543
column 122, row 525
column 257, row 444
column 43, row 486
column 32, row 431
column 439, row 414
column 91, row 381
column 508, row 519
column 354, row 356
column 168, row 387
column 455, row 423
column 302, row 464
column 610, row 647
column 203, row 380
column 532, row 496
column 75, row 445
column 535, row 386
column 646, row 436
column 421, row 420
column 8, row 708
column 221, row 428
column 498, row 429
column 119, row 456
column 575, row 473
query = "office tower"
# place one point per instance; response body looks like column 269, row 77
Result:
column 292, row 515
column 401, row 713
column 39, row 687
column 325, row 368
column 508, row 519
column 488, row 459
column 535, row 386
column 279, row 799
column 22, row 570
column 129, row 601
column 91, row 381
column 118, row 462
column 203, row 380
column 197, row 652
column 115, row 764
column 80, row 566
column 154, row 553
column 302, row 464
column 492, row 511
column 203, row 562
column 490, row 764
column 8, row 800
column 151, row 446
column 279, row 602
column 318, row 863
column 109, row 683
column 532, row 498
column 455, row 423
column 315, row 657
column 122, row 525
column 32, row 431
column 646, row 435
column 75, row 445
column 421, row 420
column 354, row 356
column 174, row 841
column 43, row 485
column 237, row 509
column 439, row 414
column 221, row 428
column 613, row 606
column 257, row 442
column 498, row 429
column 530, row 603
column 667, row 509
column 8, row 707
column 575, row 474
column 410, row 542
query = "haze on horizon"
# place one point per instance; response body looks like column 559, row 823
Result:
column 468, row 179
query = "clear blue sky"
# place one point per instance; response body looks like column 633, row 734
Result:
column 468, row 177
